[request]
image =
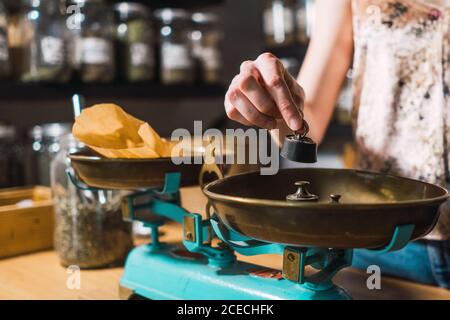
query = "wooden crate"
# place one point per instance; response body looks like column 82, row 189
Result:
column 26, row 220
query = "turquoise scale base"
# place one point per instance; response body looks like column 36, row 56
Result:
column 170, row 272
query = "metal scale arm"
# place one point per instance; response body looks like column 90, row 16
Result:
column 295, row 259
column 156, row 204
column 196, row 232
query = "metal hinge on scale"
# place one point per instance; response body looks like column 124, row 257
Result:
column 189, row 232
column 293, row 263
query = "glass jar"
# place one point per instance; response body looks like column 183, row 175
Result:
column 305, row 19
column 93, row 47
column 11, row 158
column 302, row 21
column 89, row 230
column 206, row 39
column 45, row 141
column 4, row 50
column 135, row 42
column 177, row 65
column 279, row 22
column 40, row 47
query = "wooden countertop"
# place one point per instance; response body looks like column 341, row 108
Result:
column 40, row 276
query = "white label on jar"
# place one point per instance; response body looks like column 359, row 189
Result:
column 268, row 22
column 75, row 47
column 141, row 54
column 278, row 21
column 211, row 58
column 96, row 51
column 4, row 54
column 175, row 56
column 302, row 19
column 288, row 21
column 52, row 49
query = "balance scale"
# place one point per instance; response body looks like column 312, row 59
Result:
column 251, row 215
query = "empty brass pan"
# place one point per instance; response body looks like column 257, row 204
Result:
column 341, row 208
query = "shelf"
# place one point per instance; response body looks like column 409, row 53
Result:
column 17, row 91
column 14, row 5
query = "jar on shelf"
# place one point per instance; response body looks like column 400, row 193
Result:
column 4, row 49
column 45, row 144
column 206, row 39
column 279, row 22
column 39, row 44
column 176, row 62
column 135, row 42
column 304, row 20
column 89, row 229
column 11, row 158
column 92, row 50
column 301, row 19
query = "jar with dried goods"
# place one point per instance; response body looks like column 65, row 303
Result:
column 93, row 47
column 304, row 20
column 206, row 39
column 279, row 22
column 89, row 230
column 135, row 42
column 177, row 65
column 39, row 42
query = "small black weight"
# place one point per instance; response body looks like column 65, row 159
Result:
column 299, row 149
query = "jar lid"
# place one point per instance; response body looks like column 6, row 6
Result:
column 50, row 130
column 7, row 131
column 169, row 14
column 204, row 17
column 126, row 9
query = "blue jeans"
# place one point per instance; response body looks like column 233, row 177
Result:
column 422, row 261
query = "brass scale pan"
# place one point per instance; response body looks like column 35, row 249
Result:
column 129, row 174
column 371, row 204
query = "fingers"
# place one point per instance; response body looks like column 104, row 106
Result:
column 234, row 114
column 241, row 109
column 297, row 92
column 250, row 85
column 273, row 75
column 264, row 91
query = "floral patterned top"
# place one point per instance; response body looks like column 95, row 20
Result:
column 401, row 91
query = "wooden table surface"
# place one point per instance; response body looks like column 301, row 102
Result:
column 40, row 276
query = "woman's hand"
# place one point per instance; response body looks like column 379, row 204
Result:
column 263, row 92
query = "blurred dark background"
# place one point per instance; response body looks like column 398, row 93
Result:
column 243, row 39
column 37, row 83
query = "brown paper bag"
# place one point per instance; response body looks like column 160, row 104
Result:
column 110, row 131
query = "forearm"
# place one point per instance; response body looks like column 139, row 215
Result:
column 326, row 63
column 323, row 88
